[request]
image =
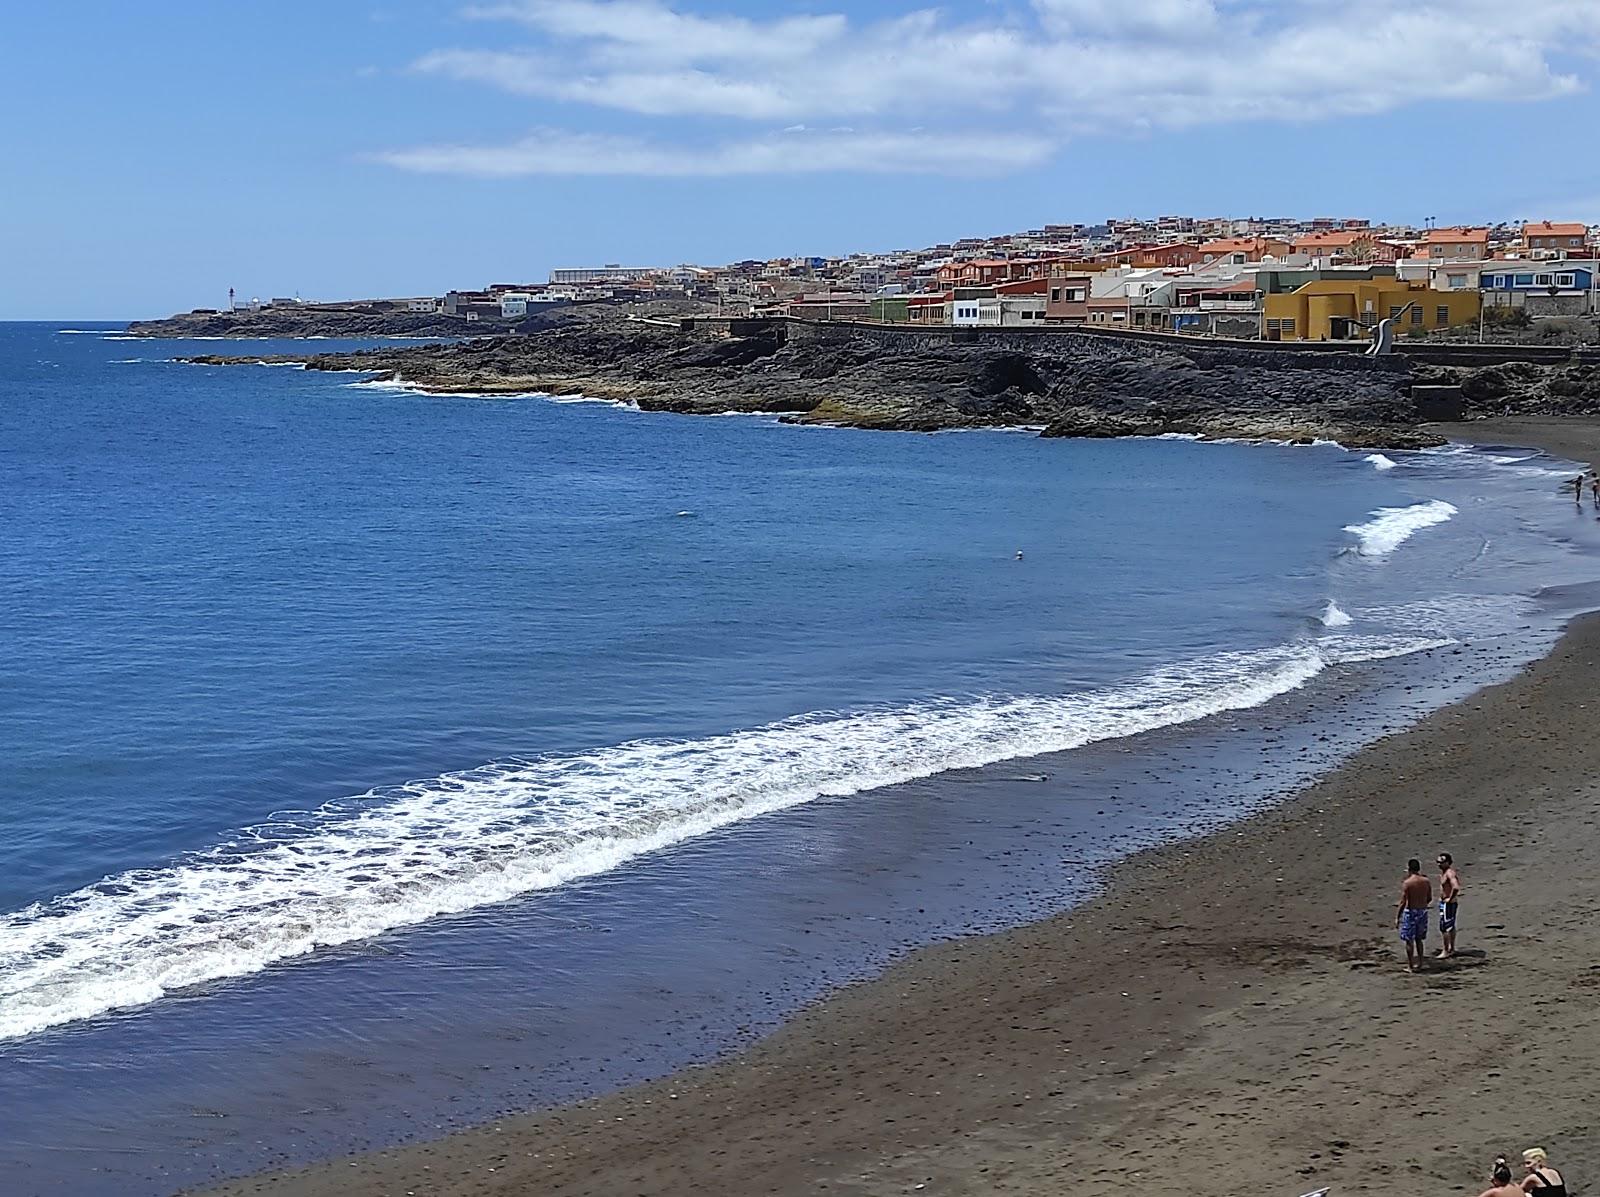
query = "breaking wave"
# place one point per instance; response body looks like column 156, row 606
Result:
column 395, row 857
column 1391, row 527
column 1379, row 462
column 1334, row 617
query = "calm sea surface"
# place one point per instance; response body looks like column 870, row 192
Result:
column 373, row 762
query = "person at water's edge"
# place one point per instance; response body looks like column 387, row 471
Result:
column 1449, row 897
column 1411, row 914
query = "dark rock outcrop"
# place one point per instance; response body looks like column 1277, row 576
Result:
column 303, row 322
column 1069, row 385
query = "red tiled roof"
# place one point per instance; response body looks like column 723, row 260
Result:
column 1454, row 236
column 1336, row 238
column 1545, row 228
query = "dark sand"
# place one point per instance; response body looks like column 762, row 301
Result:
column 1232, row 1016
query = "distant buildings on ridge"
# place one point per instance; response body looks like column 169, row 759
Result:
column 1328, row 278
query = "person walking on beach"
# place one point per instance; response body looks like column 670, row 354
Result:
column 1541, row 1177
column 1411, row 914
column 1577, row 488
column 1449, row 896
column 1594, row 489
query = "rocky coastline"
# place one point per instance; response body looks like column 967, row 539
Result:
column 300, row 322
column 1065, row 385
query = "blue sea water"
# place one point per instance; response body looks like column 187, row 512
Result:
column 374, row 762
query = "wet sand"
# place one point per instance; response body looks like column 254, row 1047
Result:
column 1232, row 1015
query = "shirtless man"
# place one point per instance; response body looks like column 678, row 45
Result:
column 1411, row 915
column 1449, row 895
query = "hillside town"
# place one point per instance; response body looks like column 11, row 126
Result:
column 1325, row 279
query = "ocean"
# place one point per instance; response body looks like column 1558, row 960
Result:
column 376, row 762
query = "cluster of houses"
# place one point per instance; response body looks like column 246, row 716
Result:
column 1278, row 279
column 1314, row 284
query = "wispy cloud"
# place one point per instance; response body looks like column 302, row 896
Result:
column 557, row 152
column 1042, row 73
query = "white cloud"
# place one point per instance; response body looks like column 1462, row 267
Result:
column 1045, row 71
column 649, row 29
column 1128, row 18
column 558, row 152
column 1166, row 62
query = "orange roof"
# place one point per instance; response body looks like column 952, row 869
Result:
column 1454, row 236
column 1234, row 245
column 1337, row 238
column 1544, row 228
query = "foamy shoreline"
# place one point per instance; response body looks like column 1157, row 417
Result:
column 1050, row 1054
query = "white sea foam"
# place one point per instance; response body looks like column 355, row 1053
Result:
column 1380, row 462
column 411, row 388
column 1333, row 616
column 1391, row 527
column 589, row 399
column 392, row 858
column 1455, row 616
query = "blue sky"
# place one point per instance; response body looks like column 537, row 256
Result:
column 157, row 154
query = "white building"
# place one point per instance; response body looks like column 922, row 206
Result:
column 998, row 311
column 974, row 313
column 609, row 273
column 1440, row 276
column 513, row 305
column 424, row 305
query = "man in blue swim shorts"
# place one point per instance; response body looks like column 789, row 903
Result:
column 1411, row 914
column 1449, row 897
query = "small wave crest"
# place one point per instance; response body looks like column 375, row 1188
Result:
column 395, row 857
column 1334, row 617
column 1391, row 527
column 1379, row 462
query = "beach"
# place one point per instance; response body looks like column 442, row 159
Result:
column 1231, row 1014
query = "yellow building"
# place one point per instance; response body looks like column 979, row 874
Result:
column 1347, row 309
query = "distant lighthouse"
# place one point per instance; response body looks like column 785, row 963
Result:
column 230, row 299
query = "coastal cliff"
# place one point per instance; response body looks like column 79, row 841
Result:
column 1068, row 385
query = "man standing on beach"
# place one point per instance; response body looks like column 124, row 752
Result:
column 1449, row 895
column 1411, row 915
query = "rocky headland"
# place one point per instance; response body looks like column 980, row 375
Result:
column 300, row 322
column 369, row 320
column 1064, row 383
